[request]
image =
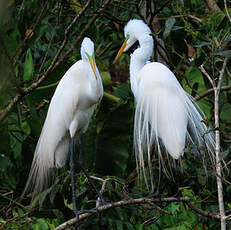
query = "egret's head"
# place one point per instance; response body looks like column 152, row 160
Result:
column 87, row 53
column 134, row 30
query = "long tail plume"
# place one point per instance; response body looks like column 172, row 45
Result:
column 50, row 153
column 165, row 119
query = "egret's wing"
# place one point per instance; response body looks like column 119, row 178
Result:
column 163, row 112
column 52, row 147
column 160, row 118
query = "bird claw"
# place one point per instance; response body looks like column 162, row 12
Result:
column 101, row 202
column 156, row 194
column 94, row 211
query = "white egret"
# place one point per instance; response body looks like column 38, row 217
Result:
column 69, row 113
column 165, row 114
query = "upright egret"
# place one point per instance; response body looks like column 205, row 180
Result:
column 165, row 114
column 71, row 107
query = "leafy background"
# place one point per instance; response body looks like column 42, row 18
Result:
column 187, row 34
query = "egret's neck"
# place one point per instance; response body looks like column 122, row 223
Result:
column 96, row 86
column 139, row 58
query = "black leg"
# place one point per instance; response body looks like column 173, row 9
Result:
column 72, row 150
column 179, row 179
column 85, row 171
column 157, row 192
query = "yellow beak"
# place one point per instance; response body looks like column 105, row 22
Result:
column 120, row 51
column 92, row 63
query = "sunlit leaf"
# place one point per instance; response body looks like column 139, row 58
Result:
column 168, row 27
column 226, row 53
column 28, row 67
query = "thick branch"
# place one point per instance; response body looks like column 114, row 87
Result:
column 216, row 89
column 217, row 140
column 137, row 201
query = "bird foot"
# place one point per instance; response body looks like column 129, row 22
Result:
column 101, row 202
column 156, row 194
column 94, row 211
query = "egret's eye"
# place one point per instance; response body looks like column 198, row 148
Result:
column 127, row 36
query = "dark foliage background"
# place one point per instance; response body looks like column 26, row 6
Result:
column 187, row 34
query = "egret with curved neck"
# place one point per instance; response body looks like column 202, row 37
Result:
column 165, row 114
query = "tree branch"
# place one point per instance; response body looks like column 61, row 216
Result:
column 201, row 212
column 209, row 91
column 212, row 5
column 137, row 201
column 216, row 89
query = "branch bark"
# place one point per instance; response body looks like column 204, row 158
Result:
column 227, row 11
column 137, row 201
column 212, row 5
column 209, row 91
column 216, row 89
column 201, row 212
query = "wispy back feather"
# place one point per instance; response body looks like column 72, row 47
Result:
column 166, row 116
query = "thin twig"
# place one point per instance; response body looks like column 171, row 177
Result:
column 201, row 212
column 207, row 75
column 20, row 49
column 73, row 45
column 50, row 42
column 8, row 56
column 227, row 11
column 209, row 91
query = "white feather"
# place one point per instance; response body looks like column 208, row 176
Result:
column 165, row 113
column 69, row 113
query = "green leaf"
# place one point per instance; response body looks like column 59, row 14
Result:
column 35, row 227
column 106, row 78
column 203, row 44
column 226, row 53
column 225, row 112
column 168, row 27
column 15, row 144
column 194, row 75
column 25, row 128
column 39, row 199
column 122, row 92
column 42, row 224
column 28, row 67
column 119, row 225
column 139, row 226
column 4, row 162
column 181, row 227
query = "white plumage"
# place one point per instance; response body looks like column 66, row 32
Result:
column 165, row 113
column 70, row 110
